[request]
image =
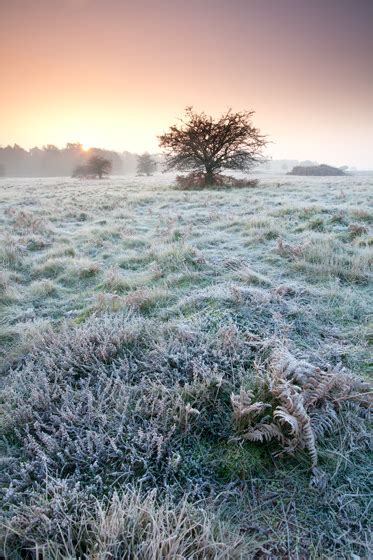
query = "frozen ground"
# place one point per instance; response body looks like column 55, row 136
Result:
column 237, row 275
column 70, row 247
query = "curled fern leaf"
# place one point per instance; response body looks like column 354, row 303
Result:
column 264, row 432
column 293, row 412
column 284, row 418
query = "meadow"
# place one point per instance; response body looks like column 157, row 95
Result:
column 184, row 373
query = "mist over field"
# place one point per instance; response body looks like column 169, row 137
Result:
column 186, row 288
column 51, row 161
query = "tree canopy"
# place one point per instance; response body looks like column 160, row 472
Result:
column 201, row 143
column 97, row 166
column 146, row 165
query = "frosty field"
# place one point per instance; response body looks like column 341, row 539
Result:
column 140, row 324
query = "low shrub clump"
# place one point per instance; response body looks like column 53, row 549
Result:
column 197, row 180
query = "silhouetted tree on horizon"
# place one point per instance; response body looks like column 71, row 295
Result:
column 97, row 166
column 203, row 144
column 146, row 165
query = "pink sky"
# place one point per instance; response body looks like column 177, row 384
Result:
column 115, row 73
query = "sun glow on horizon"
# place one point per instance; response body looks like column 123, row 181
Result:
column 118, row 93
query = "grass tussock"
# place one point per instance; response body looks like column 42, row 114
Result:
column 129, row 525
column 67, row 268
column 328, row 258
column 9, row 292
column 43, row 288
column 11, row 252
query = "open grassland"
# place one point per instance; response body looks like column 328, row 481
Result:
column 183, row 372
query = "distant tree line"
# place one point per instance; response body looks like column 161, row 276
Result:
column 99, row 167
column 51, row 161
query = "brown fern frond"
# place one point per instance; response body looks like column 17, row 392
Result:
column 328, row 385
column 324, row 420
column 286, row 366
column 364, row 399
column 305, row 401
column 309, row 442
column 264, row 433
column 244, row 411
column 293, row 409
column 351, row 387
column 284, row 418
column 282, row 389
column 319, row 479
column 319, row 390
column 242, row 400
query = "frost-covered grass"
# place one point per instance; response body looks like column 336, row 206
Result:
column 130, row 313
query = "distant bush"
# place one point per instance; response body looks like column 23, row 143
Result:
column 316, row 170
column 197, row 180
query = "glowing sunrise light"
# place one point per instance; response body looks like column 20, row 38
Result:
column 303, row 66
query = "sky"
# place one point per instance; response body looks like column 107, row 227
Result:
column 116, row 73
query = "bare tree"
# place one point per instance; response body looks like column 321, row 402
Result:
column 200, row 143
column 146, row 165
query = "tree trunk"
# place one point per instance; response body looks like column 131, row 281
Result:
column 209, row 178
